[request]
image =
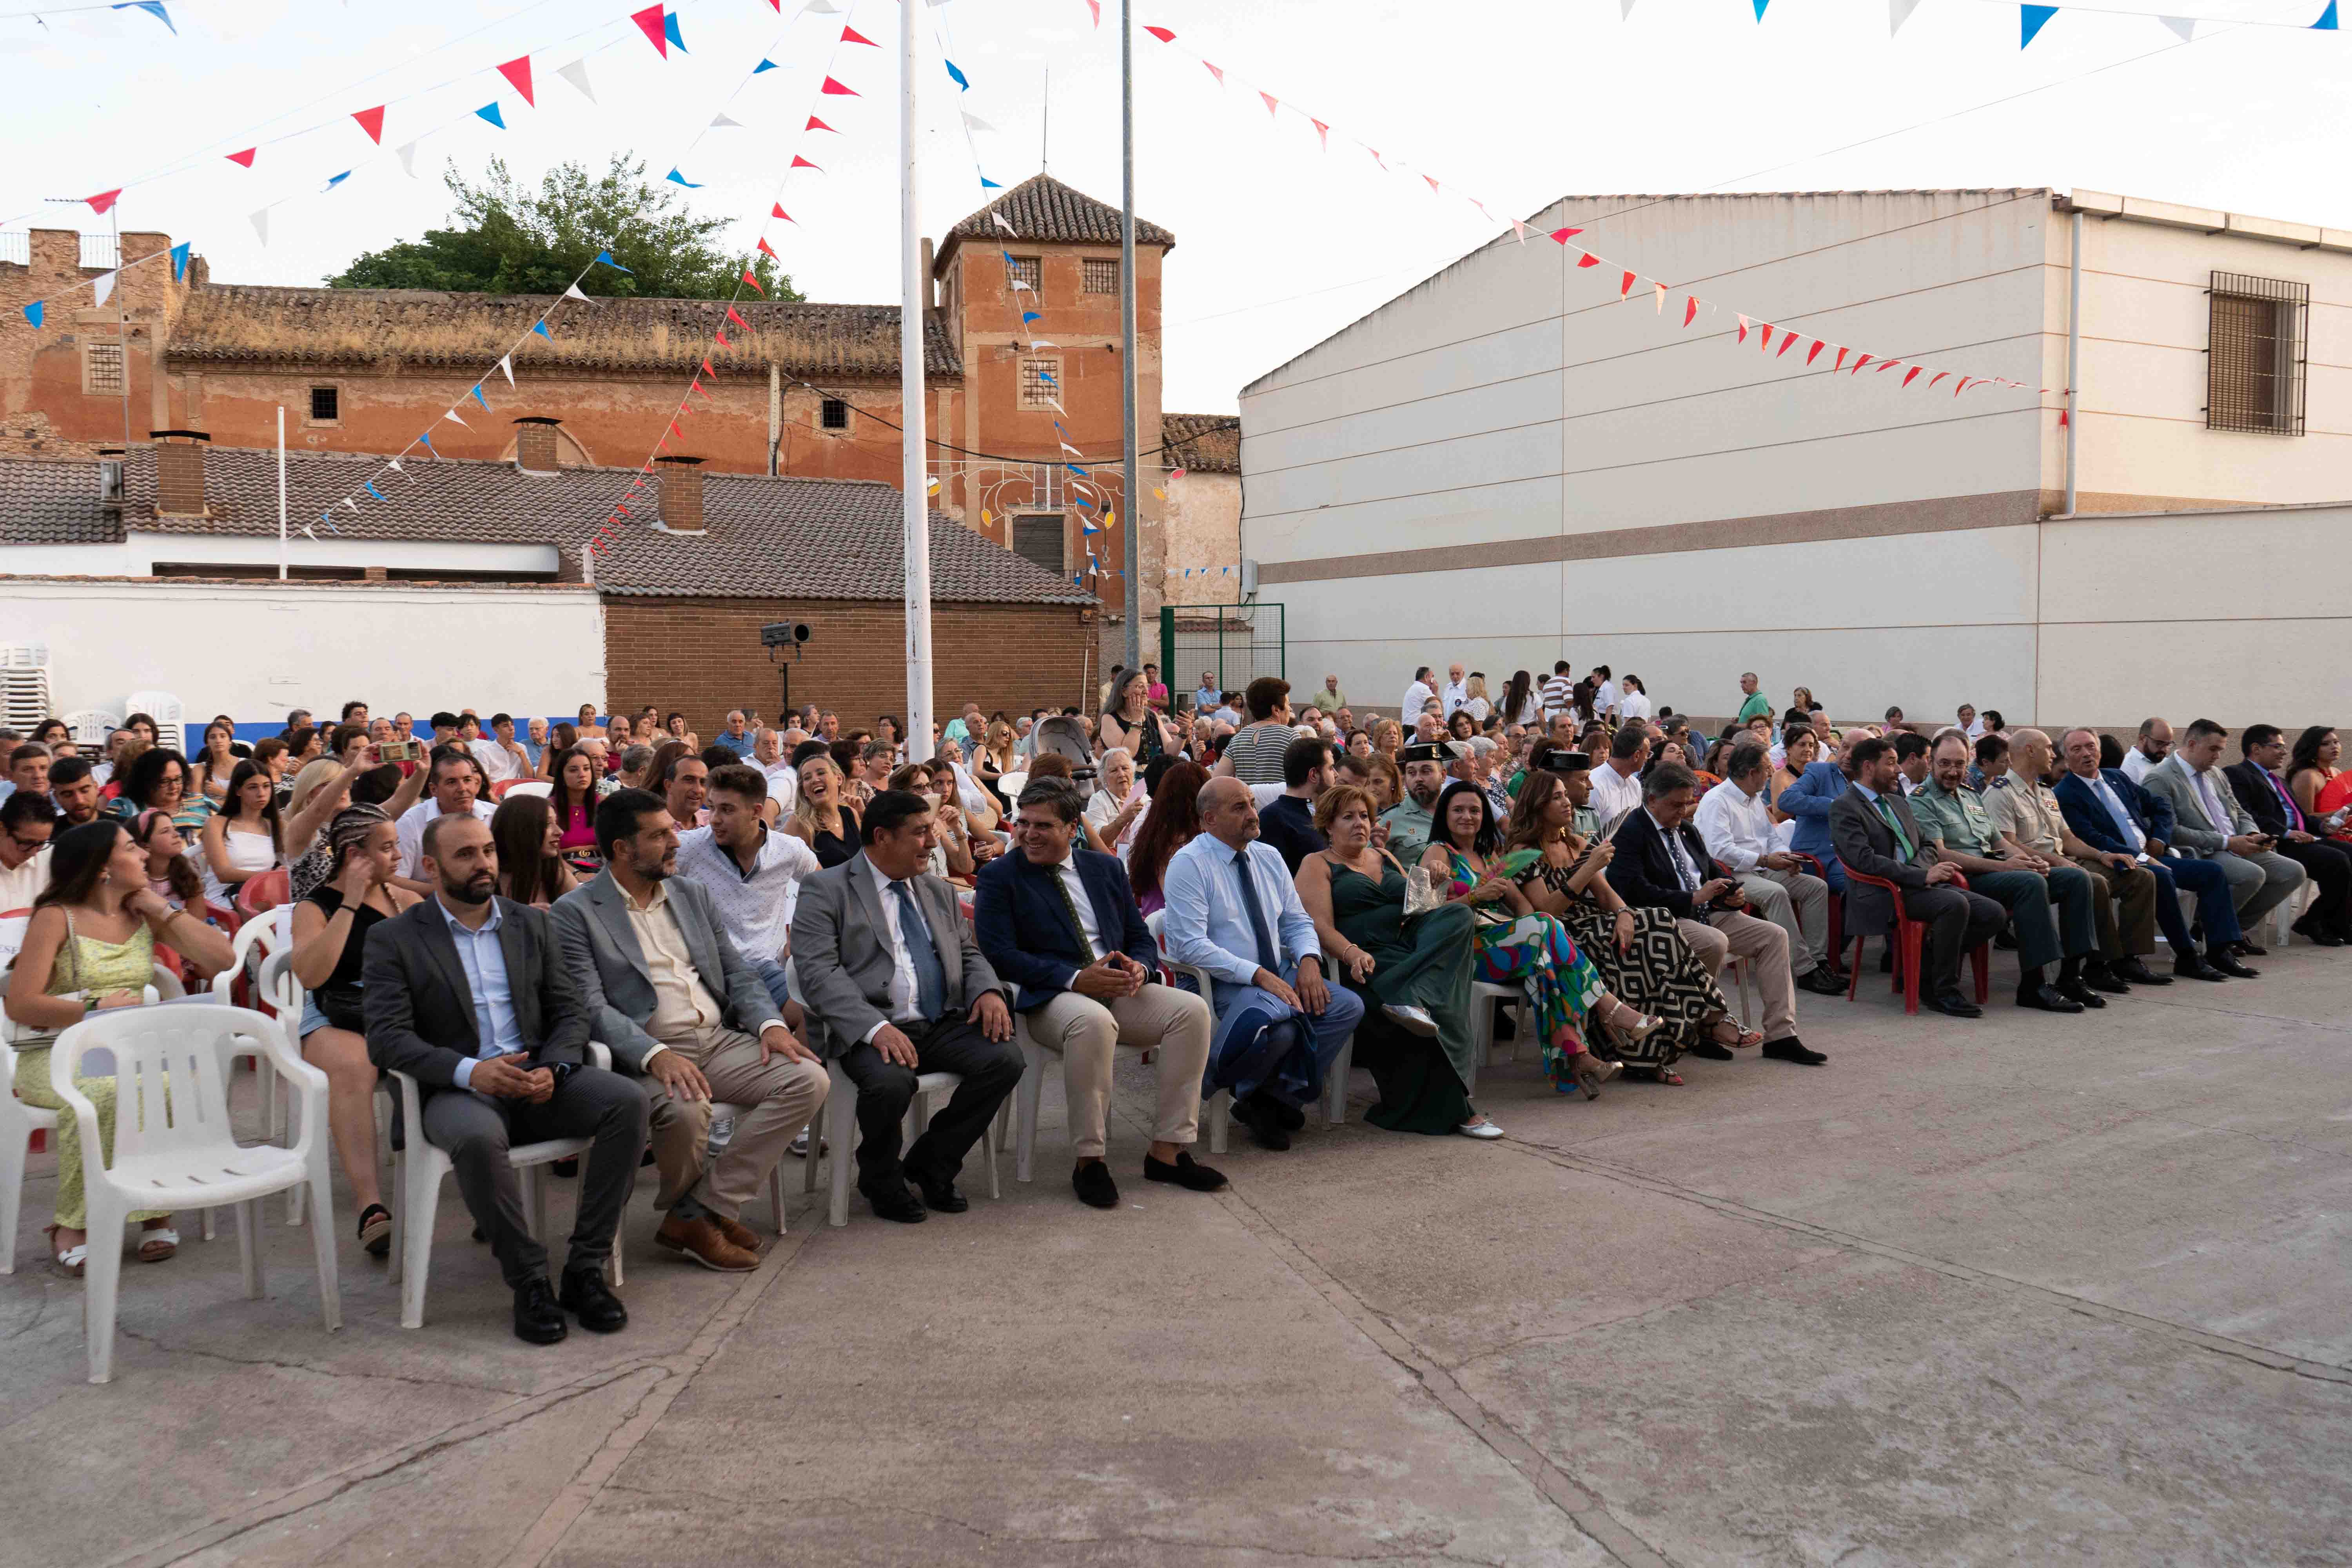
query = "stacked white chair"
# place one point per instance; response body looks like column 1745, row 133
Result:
column 23, row 686
column 171, row 718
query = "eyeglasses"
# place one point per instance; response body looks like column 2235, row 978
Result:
column 28, row 844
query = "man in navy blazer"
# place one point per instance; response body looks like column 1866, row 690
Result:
column 1058, row 922
column 2122, row 821
column 1808, row 800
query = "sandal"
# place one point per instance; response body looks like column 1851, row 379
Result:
column 72, row 1259
column 1591, row 1072
column 1641, row 1028
column 157, row 1243
column 1741, row 1039
column 375, row 1229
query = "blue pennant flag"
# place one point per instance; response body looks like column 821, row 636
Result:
column 489, row 112
column 33, row 313
column 1008, row 256
column 1074, row 577
column 988, row 185
column 1029, row 316
column 1078, row 470
column 764, row 66
column 1047, row 375
column 2327, row 22
column 669, row 31
column 1090, row 528
column 153, row 8
column 479, row 398
column 605, row 257
column 960, row 80
column 2031, row 19
column 337, row 179
column 375, row 493
column 540, row 327
column 675, row 178
column 179, row 261
column 427, row 439
column 1760, row 8
column 1083, row 503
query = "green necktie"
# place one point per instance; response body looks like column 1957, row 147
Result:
column 1901, row 837
column 1070, row 904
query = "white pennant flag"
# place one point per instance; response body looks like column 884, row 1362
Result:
column 260, row 222
column 1626, row 13
column 506, row 363
column 975, row 123
column 1073, row 451
column 312, row 532
column 1898, row 13
column 721, row 122
column 102, row 286
column 351, row 503
column 1521, row 229
column 998, row 219
column 1045, row 343
column 570, row 291
column 407, row 159
column 821, row 8
column 2184, row 25
column 576, row 73
column 452, row 416
column 393, row 463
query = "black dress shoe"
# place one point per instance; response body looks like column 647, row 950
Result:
column 1710, row 1051
column 1952, row 1004
column 1094, row 1185
column 2221, row 959
column 538, row 1320
column 2003, row 941
column 938, row 1192
column 2329, row 939
column 1792, row 1050
column 2242, row 948
column 2105, row 979
column 1258, row 1115
column 2049, row 999
column 587, row 1297
column 2080, row 990
column 896, row 1202
column 1821, row 981
column 1291, row 1117
column 2136, row 971
column 2192, row 967
column 1185, row 1171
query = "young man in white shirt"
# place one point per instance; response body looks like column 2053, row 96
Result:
column 752, row 874
column 1419, row 692
column 499, row 753
column 1737, row 825
column 1617, row 782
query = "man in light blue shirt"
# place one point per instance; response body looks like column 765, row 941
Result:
column 1234, row 911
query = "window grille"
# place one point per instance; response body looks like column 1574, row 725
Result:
column 2254, row 355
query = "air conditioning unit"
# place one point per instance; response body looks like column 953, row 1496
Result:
column 1249, row 579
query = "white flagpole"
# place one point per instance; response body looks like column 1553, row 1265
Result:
column 281, row 492
column 1131, row 493
column 915, row 292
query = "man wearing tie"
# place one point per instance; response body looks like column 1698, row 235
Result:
column 1877, row 834
column 2124, row 823
column 1059, row 921
column 2208, row 825
column 1234, row 910
column 2255, row 782
column 871, row 941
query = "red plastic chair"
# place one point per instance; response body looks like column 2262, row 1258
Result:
column 1909, row 934
column 259, row 895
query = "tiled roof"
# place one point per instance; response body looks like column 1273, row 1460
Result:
column 1042, row 208
column 251, row 323
column 1204, row 443
column 781, row 538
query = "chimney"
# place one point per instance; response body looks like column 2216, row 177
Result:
column 930, row 285
column 535, row 444
column 110, row 478
column 179, row 472
column 681, row 494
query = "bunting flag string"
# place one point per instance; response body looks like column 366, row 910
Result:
column 102, row 287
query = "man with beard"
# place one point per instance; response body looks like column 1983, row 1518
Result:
column 466, row 993
column 1409, row 821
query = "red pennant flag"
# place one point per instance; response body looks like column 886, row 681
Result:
column 816, row 124
column 1322, row 131
column 1886, row 364
column 1938, row 376
column 623, row 509
column 769, row 249
column 1766, row 327
column 799, row 163
column 1625, row 287
column 1840, row 362
column 103, row 200
column 721, row 335
column 778, row 210
column 738, row 319
column 1432, row 186
column 1690, row 307
column 371, row 121
column 675, row 430
column 1963, row 386
column 1912, row 374
column 1815, row 352
column 1588, row 259
column 852, row 36
column 649, row 23
column 696, row 385
column 1215, row 72
column 1565, row 235
column 244, row 159
column 1788, row 342
column 2061, row 419
column 1162, row 34
column 1743, row 329
column 1271, row 107
column 517, row 71
column 707, row 370
column 754, row 282
column 836, row 89
column 1859, row 364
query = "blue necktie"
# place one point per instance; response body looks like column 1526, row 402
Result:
column 931, row 978
column 1268, row 959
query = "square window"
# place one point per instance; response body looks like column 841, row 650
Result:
column 834, row 415
column 1041, row 382
column 326, row 404
column 1037, row 537
column 1101, row 276
column 2255, row 353
column 102, row 368
column 1024, row 272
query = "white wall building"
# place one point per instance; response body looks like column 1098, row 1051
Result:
column 1510, row 464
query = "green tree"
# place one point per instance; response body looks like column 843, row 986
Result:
column 507, row 239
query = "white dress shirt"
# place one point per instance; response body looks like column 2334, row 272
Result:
column 411, row 830
column 905, row 992
column 1414, row 696
column 1615, row 793
column 1089, row 928
column 1737, row 826
column 2137, row 765
column 1633, row 705
column 1456, row 694
column 497, row 763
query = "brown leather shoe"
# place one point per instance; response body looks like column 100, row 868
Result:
column 736, row 1231
column 702, row 1242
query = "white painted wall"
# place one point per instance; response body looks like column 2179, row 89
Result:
column 255, row 651
column 138, row 553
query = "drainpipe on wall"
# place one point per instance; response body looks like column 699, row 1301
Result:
column 2073, row 356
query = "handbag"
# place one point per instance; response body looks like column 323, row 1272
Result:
column 1420, row 896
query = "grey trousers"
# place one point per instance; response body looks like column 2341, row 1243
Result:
column 1798, row 904
column 476, row 1130
column 2259, row 883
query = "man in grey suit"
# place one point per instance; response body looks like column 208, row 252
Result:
column 667, row 991
column 468, row 995
column 895, row 987
column 1876, row 833
column 2210, row 825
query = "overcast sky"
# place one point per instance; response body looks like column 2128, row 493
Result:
column 1279, row 244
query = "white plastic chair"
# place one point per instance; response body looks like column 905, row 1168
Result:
column 1485, row 999
column 170, row 716
column 841, row 1128
column 417, row 1169
column 271, row 932
column 91, row 726
column 19, row 1123
column 173, row 1146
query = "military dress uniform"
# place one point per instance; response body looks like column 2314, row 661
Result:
column 1958, row 820
column 2123, row 903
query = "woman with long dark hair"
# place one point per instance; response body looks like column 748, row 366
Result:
column 571, row 805
column 91, row 942
column 331, row 931
column 1172, row 822
column 216, row 760
column 531, row 851
column 244, row 837
column 1522, row 703
column 2319, row 786
column 158, row 779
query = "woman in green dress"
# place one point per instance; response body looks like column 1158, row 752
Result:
column 1412, row 973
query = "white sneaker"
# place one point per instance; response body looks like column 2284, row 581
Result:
column 1417, row 1019
column 1482, row 1128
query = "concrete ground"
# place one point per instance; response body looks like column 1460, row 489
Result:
column 2025, row 1290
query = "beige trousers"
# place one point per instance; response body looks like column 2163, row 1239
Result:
column 783, row 1096
column 1758, row 940
column 1085, row 1031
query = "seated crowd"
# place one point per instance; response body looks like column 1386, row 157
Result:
column 1243, row 889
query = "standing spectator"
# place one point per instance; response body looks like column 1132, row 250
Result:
column 1521, row 703
column 244, row 838
column 531, row 852
column 1752, row 702
column 1558, row 690
column 1154, row 687
column 1254, row 754
column 1635, row 704
column 1329, row 698
column 1209, row 693
column 1617, row 782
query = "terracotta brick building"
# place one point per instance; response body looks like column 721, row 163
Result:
column 809, row 391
